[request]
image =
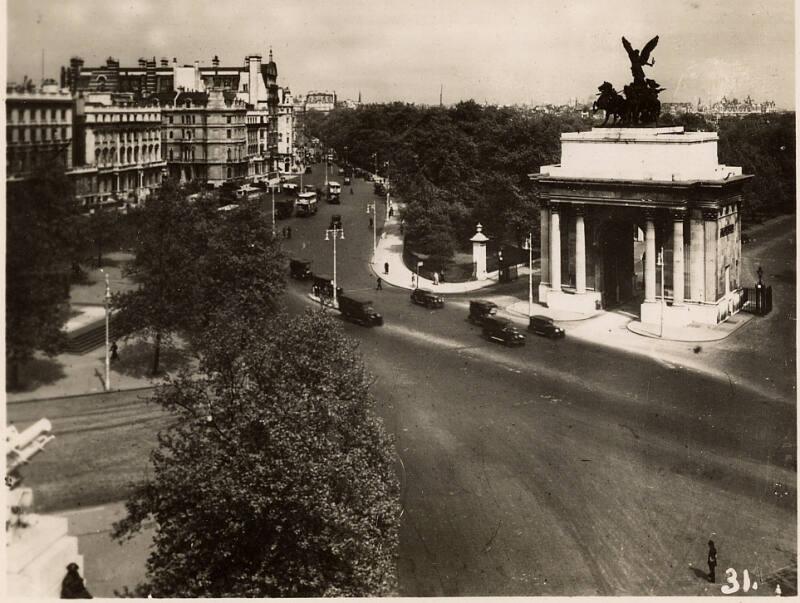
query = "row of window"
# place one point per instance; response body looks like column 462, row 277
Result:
column 37, row 134
column 104, row 157
column 188, row 154
column 118, row 117
column 128, row 136
column 38, row 115
column 192, row 119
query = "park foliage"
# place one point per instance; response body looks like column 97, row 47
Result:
column 455, row 166
column 276, row 477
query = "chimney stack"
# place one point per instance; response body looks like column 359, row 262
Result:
column 164, row 62
column 215, row 61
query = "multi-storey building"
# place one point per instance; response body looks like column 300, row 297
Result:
column 38, row 128
column 117, row 149
column 192, row 93
column 320, row 101
column 285, row 148
column 204, row 135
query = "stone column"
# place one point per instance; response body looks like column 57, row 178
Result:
column 710, row 249
column 580, row 251
column 555, row 249
column 650, row 259
column 697, row 256
column 544, row 244
column 677, row 258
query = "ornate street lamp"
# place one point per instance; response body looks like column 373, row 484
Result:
column 334, row 233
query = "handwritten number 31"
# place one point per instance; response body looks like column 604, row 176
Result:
column 733, row 582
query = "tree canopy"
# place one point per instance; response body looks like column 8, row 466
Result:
column 40, row 229
column 276, row 477
column 196, row 265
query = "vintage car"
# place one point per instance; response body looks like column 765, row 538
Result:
column 300, row 269
column 542, row 325
column 480, row 310
column 427, row 298
column 336, row 221
column 502, row 330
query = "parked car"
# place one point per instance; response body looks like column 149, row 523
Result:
column 427, row 298
column 542, row 325
column 323, row 287
column 480, row 310
column 500, row 329
column 300, row 269
column 359, row 310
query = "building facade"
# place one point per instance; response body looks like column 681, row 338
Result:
column 320, row 101
column 116, row 149
column 39, row 128
column 204, row 136
column 201, row 107
column 285, row 157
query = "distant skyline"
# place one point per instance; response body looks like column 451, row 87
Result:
column 502, row 52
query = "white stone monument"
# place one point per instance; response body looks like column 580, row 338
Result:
column 479, row 253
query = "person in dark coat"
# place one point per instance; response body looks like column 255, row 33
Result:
column 712, row 561
column 114, row 351
column 386, row 267
column 380, row 285
column 72, row 586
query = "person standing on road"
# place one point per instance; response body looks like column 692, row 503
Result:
column 380, row 285
column 712, row 561
column 386, row 267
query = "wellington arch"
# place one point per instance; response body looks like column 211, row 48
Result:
column 628, row 205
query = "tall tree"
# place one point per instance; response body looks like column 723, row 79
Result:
column 40, row 241
column 276, row 478
column 163, row 267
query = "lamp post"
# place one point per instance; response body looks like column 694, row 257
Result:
column 272, row 187
column 419, row 265
column 529, row 246
column 334, row 233
column 371, row 210
column 107, row 301
column 660, row 262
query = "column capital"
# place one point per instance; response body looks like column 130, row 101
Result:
column 649, row 214
column 677, row 214
column 710, row 214
column 555, row 206
column 580, row 209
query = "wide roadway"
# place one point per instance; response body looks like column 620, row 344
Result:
column 561, row 467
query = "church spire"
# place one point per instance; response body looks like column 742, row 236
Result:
column 359, row 97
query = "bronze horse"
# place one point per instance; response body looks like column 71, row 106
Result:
column 612, row 102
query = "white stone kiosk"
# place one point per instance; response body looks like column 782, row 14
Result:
column 660, row 183
column 479, row 241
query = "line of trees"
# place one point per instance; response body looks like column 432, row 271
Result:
column 470, row 163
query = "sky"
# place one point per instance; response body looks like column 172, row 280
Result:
column 499, row 52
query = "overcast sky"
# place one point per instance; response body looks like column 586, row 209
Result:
column 496, row 51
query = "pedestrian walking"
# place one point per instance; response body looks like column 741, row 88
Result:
column 413, row 280
column 288, row 232
column 380, row 285
column 371, row 222
column 435, row 278
column 391, row 211
column 386, row 267
column 114, row 352
column 712, row 561
column 72, row 586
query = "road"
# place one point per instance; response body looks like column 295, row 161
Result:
column 560, row 468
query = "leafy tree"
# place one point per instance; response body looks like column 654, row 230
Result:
column 102, row 230
column 163, row 267
column 276, row 477
column 39, row 246
column 196, row 265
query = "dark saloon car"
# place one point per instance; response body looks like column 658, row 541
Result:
column 480, row 310
column 300, row 268
column 426, row 298
column 542, row 325
column 500, row 329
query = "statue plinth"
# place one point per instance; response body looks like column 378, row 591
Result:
column 666, row 154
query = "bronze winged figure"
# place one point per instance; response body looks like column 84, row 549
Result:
column 639, row 59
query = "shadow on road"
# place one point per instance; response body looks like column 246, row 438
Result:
column 699, row 573
column 136, row 360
